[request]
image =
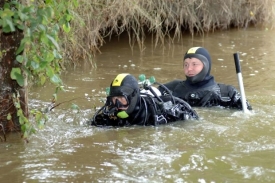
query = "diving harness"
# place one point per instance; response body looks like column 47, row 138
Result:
column 162, row 107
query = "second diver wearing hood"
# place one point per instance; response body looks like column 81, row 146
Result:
column 200, row 89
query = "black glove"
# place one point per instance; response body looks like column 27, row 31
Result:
column 237, row 102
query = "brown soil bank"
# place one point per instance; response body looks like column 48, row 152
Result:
column 97, row 19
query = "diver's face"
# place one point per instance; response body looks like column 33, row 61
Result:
column 192, row 67
column 120, row 102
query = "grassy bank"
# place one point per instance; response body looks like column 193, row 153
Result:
column 94, row 20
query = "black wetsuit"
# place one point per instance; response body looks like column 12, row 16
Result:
column 149, row 111
column 206, row 93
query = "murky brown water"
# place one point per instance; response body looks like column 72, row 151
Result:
column 224, row 146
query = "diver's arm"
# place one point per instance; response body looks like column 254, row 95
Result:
column 170, row 85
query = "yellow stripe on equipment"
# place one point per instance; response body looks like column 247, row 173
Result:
column 193, row 50
column 118, row 80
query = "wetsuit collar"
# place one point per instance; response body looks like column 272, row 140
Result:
column 208, row 81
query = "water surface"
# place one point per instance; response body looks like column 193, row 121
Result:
column 224, row 146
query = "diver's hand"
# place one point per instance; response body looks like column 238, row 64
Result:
column 237, row 102
column 240, row 106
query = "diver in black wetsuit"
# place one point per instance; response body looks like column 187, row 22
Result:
column 126, row 106
column 200, row 89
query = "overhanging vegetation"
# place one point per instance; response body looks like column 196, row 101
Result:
column 95, row 20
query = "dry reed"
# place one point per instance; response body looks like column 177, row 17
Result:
column 96, row 20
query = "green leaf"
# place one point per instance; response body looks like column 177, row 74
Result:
column 42, row 80
column 7, row 13
column 34, row 65
column 20, row 80
column 43, row 65
column 6, row 6
column 56, row 54
column 41, row 124
column 9, row 22
column 24, row 41
column 75, row 107
column 33, row 130
column 48, row 1
column 6, row 29
column 59, row 88
column 49, row 72
column 15, row 71
column 49, row 12
column 54, row 97
column 9, row 116
column 42, row 27
column 56, row 29
column 66, row 27
column 38, row 116
column 28, row 10
column 22, row 15
column 68, row 17
column 26, row 134
column 20, row 49
column 16, row 75
column 45, row 20
column 19, row 58
column 43, row 38
column 75, row 3
column 18, row 106
column 53, row 42
column 55, row 79
column 49, row 57
column 21, row 27
column 23, row 128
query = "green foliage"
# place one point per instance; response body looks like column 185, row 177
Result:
column 39, row 52
column 27, row 127
column 16, row 75
column 42, row 22
column 75, row 107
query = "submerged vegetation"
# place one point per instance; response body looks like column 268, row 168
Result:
column 96, row 20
